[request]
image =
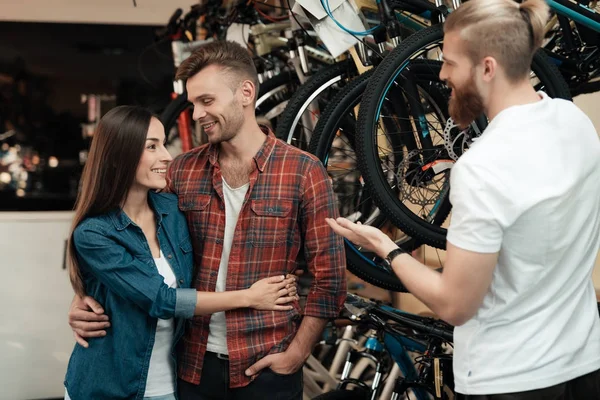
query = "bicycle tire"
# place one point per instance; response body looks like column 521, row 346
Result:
column 307, row 94
column 376, row 90
column 341, row 394
column 348, row 98
column 360, row 264
column 333, row 118
column 274, row 95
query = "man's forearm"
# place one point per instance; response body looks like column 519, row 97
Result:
column 454, row 295
column 423, row 282
column 309, row 332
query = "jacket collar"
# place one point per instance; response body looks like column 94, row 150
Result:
column 157, row 203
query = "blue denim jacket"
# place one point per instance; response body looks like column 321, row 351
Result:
column 118, row 270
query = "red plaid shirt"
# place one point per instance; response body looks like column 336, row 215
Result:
column 290, row 196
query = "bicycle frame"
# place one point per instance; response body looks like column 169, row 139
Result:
column 398, row 346
column 265, row 42
column 578, row 60
column 181, row 51
column 577, row 12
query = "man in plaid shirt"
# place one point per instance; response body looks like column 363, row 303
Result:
column 261, row 201
column 252, row 203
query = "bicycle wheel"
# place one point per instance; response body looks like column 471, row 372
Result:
column 357, row 394
column 422, row 50
column 299, row 118
column 273, row 97
column 333, row 142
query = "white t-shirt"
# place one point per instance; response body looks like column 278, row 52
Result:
column 217, row 330
column 161, row 372
column 529, row 188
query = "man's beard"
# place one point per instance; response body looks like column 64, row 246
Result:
column 466, row 104
column 230, row 126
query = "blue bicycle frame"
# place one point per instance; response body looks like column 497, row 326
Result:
column 577, row 12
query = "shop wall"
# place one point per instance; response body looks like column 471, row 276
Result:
column 590, row 104
column 147, row 12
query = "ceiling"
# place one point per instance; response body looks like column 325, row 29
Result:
column 147, row 12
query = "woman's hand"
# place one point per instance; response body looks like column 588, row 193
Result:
column 273, row 293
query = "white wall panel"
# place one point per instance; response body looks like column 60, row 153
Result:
column 147, row 12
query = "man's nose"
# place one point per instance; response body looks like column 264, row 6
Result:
column 199, row 112
column 443, row 74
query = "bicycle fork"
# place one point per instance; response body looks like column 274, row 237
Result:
column 373, row 353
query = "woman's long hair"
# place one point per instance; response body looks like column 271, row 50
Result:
column 109, row 172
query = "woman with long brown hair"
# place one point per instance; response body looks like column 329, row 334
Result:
column 130, row 249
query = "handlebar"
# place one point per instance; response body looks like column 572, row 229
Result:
column 184, row 25
column 420, row 324
column 174, row 18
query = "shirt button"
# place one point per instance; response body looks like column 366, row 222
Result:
column 219, row 241
column 170, row 256
column 221, row 206
column 181, row 281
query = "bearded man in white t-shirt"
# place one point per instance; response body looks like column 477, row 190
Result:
column 525, row 226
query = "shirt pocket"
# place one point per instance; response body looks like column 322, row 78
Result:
column 187, row 259
column 186, row 245
column 196, row 209
column 270, row 222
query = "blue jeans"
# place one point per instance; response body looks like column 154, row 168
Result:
column 214, row 384
column 165, row 397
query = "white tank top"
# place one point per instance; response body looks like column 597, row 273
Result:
column 217, row 330
column 161, row 373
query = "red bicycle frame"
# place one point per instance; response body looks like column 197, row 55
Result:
column 183, row 124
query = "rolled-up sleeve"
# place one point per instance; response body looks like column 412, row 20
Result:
column 129, row 277
column 324, row 250
column 185, row 304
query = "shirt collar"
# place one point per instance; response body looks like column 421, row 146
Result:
column 260, row 158
column 122, row 221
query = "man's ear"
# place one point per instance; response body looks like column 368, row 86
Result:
column 248, row 93
column 490, row 68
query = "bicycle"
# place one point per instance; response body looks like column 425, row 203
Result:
column 353, row 198
column 423, row 180
column 573, row 47
column 282, row 62
column 302, row 113
column 391, row 337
